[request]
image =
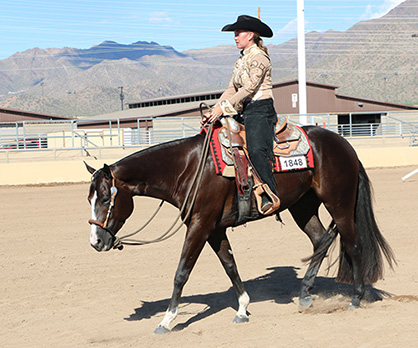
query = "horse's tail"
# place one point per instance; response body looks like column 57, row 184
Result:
column 372, row 243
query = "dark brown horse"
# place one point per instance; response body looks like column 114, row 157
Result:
column 165, row 171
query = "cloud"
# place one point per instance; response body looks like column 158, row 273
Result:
column 373, row 12
column 160, row 18
column 289, row 30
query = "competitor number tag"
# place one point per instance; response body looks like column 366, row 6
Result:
column 292, row 163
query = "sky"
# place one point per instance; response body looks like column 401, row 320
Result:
column 182, row 24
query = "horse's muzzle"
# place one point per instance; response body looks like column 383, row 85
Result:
column 104, row 239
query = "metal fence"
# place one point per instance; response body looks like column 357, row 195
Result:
column 54, row 140
column 391, row 129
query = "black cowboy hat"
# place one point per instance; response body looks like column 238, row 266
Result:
column 251, row 24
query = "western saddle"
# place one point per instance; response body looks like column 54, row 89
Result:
column 288, row 141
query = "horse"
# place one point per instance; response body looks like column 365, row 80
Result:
column 165, row 171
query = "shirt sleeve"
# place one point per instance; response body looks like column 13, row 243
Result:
column 251, row 79
column 223, row 102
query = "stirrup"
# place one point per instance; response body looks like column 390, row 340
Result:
column 266, row 203
column 266, row 209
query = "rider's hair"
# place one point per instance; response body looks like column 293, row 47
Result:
column 259, row 42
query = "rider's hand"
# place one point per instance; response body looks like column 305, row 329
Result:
column 204, row 120
column 212, row 116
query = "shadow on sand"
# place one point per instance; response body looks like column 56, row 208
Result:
column 280, row 285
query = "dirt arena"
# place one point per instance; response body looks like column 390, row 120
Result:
column 56, row 291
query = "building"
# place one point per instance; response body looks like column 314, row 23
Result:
column 25, row 129
column 321, row 99
column 323, row 104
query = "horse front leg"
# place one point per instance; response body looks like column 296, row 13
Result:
column 220, row 245
column 192, row 247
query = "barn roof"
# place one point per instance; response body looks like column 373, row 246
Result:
column 12, row 115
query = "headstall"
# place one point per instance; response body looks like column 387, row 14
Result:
column 113, row 193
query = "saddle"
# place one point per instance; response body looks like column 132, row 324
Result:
column 290, row 142
column 289, row 139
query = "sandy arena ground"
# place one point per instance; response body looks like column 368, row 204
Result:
column 56, row 291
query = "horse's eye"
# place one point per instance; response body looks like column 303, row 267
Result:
column 105, row 200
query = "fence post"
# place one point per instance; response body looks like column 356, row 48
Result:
column 17, row 133
column 72, row 134
column 138, row 126
column 183, row 132
column 119, row 135
column 110, row 129
column 24, row 135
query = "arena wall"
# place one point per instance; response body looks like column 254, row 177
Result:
column 71, row 171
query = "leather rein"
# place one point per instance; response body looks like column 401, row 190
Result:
column 119, row 242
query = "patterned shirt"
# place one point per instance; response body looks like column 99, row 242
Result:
column 251, row 80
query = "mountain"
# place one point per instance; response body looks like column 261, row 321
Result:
column 374, row 59
column 110, row 50
column 71, row 81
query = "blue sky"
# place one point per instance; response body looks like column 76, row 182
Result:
column 183, row 24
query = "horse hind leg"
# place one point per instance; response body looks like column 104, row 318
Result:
column 305, row 214
column 351, row 260
column 320, row 251
column 220, row 245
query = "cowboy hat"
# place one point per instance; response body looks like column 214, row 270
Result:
column 251, row 24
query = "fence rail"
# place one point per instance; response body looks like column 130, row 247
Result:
column 28, row 140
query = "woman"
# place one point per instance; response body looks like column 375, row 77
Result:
column 249, row 95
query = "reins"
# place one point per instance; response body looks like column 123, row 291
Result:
column 127, row 240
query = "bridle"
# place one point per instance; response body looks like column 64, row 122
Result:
column 103, row 225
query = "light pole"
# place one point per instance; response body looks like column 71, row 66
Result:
column 384, row 78
column 42, row 86
column 303, row 118
column 122, row 96
column 43, row 97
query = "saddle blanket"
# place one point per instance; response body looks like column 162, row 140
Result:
column 300, row 158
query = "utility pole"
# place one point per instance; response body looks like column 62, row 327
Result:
column 42, row 85
column 43, row 97
column 122, row 96
column 301, row 63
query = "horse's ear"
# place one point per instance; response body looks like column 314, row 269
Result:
column 90, row 169
column 107, row 172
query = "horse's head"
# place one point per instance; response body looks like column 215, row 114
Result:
column 111, row 204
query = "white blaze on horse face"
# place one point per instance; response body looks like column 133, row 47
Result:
column 93, row 232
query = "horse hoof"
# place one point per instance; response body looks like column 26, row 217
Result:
column 306, row 301
column 355, row 303
column 161, row 330
column 353, row 306
column 241, row 319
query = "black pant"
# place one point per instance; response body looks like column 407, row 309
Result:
column 260, row 119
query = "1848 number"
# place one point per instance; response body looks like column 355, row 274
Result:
column 296, row 162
